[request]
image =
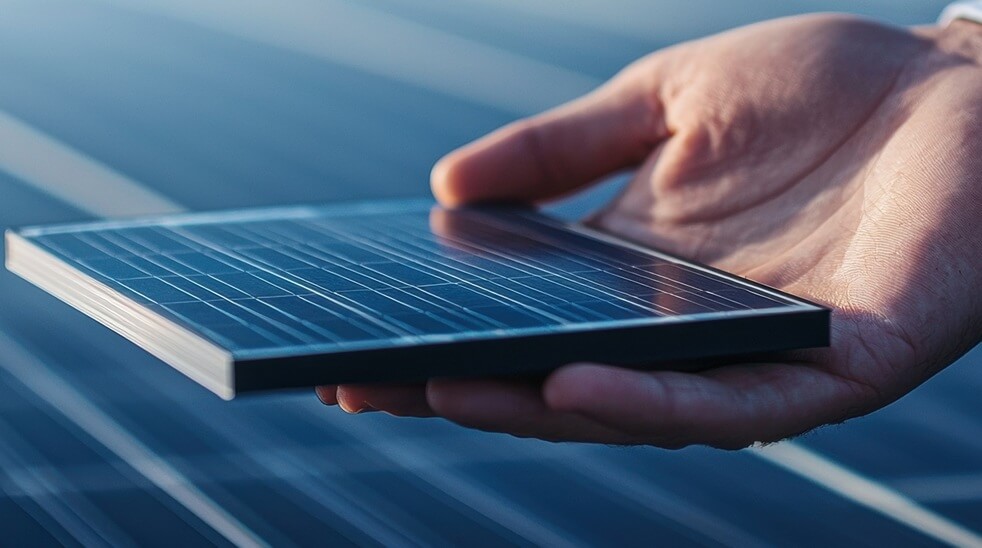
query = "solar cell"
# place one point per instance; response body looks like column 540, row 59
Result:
column 296, row 284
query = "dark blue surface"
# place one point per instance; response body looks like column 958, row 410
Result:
column 215, row 120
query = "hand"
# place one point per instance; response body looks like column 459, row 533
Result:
column 834, row 158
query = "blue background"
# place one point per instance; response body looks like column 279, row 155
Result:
column 216, row 104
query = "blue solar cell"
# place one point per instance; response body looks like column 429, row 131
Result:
column 202, row 263
column 374, row 301
column 219, row 287
column 410, row 276
column 189, row 285
column 172, row 266
column 114, row 268
column 602, row 310
column 326, row 280
column 71, row 246
column 512, row 317
column 301, row 308
column 734, row 297
column 420, row 323
column 157, row 290
column 274, row 258
column 351, row 330
column 203, row 314
column 462, row 296
column 144, row 265
column 282, row 280
column 252, row 285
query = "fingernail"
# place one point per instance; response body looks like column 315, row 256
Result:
column 323, row 397
column 363, row 408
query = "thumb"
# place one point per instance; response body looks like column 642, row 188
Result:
column 559, row 151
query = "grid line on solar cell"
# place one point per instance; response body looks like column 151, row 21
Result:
column 415, row 276
column 496, row 314
column 322, row 280
column 470, row 294
column 524, row 268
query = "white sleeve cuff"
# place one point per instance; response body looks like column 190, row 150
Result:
column 970, row 10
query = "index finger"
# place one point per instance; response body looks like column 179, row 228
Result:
column 559, row 151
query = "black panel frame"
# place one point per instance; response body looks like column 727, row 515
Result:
column 687, row 346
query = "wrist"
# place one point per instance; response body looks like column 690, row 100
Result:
column 970, row 10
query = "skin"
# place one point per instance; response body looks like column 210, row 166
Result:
column 834, row 158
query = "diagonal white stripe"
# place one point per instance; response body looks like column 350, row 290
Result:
column 47, row 385
column 866, row 492
column 60, row 171
column 379, row 43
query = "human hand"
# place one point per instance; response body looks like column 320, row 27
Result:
column 833, row 158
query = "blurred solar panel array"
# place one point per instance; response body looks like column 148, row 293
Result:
column 99, row 446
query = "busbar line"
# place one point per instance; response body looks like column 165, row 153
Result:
column 37, row 377
column 395, row 48
column 865, row 492
column 39, row 160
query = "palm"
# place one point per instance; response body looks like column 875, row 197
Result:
column 751, row 156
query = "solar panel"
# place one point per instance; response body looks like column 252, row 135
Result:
column 397, row 291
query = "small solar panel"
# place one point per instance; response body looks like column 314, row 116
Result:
column 398, row 291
